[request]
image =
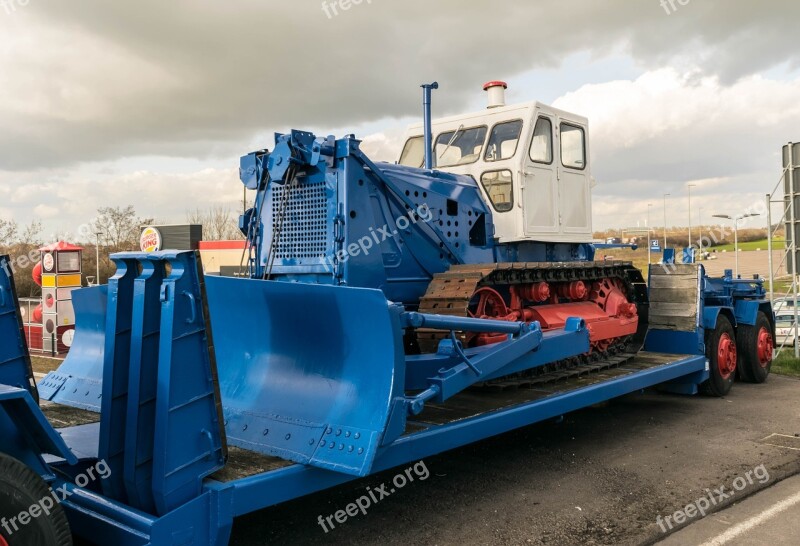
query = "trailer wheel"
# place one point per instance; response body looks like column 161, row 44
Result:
column 722, row 355
column 755, row 345
column 20, row 490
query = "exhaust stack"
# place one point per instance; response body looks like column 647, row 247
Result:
column 426, row 122
column 497, row 93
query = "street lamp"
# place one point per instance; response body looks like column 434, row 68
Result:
column 97, row 235
column 665, row 221
column 736, row 232
column 690, row 186
column 649, row 243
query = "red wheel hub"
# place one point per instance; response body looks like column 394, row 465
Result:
column 765, row 347
column 490, row 304
column 726, row 356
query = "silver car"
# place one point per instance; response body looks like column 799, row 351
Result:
column 784, row 328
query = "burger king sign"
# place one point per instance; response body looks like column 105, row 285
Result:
column 150, row 240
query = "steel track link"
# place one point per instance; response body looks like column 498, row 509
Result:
column 450, row 293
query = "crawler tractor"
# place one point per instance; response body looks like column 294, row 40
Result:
column 384, row 312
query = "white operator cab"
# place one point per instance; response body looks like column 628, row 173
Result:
column 530, row 160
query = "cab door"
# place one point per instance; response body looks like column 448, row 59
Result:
column 573, row 178
column 540, row 180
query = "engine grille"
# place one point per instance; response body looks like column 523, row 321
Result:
column 306, row 227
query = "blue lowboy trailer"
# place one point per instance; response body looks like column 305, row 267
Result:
column 389, row 312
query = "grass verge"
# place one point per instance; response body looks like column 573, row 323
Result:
column 44, row 364
column 786, row 364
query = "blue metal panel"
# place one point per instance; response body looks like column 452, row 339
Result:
column 25, row 432
column 677, row 343
column 116, row 371
column 310, row 382
column 746, row 311
column 206, row 520
column 142, row 385
column 189, row 435
column 160, row 428
column 15, row 362
column 78, row 381
column 710, row 314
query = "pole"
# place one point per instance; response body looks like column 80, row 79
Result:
column 736, row 242
column 700, row 225
column 793, row 247
column 769, row 250
column 97, row 252
column 426, row 122
column 665, row 221
column 690, row 215
column 649, row 232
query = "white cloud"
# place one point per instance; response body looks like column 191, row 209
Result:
column 664, row 130
column 43, row 212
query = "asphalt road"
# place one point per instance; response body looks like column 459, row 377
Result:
column 602, row 476
column 750, row 263
column 765, row 519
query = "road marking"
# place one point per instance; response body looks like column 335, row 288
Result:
column 784, row 447
column 749, row 524
column 776, row 437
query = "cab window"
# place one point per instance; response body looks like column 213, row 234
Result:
column 542, row 143
column 459, row 147
column 573, row 148
column 499, row 187
column 503, row 141
column 413, row 152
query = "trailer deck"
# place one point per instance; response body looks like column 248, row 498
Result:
column 469, row 408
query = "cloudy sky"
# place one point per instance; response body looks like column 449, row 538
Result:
column 152, row 103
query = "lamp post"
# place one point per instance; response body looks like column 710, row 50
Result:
column 736, row 232
column 690, row 186
column 665, row 221
column 97, row 235
column 649, row 242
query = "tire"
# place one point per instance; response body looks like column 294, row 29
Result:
column 722, row 355
column 755, row 345
column 21, row 488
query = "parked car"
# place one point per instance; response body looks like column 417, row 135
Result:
column 783, row 304
column 784, row 328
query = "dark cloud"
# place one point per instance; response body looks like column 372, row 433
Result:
column 104, row 80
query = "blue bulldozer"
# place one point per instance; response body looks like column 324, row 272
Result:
column 383, row 313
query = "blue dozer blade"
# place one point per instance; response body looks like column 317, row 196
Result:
column 308, row 373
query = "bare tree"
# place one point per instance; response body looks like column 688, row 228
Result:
column 32, row 234
column 10, row 235
column 120, row 227
column 8, row 232
column 218, row 223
